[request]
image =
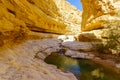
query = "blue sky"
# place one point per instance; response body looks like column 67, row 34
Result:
column 76, row 3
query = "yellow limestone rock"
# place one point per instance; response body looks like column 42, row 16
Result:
column 97, row 13
column 36, row 15
column 18, row 17
column 104, row 14
column 70, row 15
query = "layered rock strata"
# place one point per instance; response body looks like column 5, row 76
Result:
column 19, row 18
column 25, row 61
column 103, row 15
column 98, row 13
column 22, row 23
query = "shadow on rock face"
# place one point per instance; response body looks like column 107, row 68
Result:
column 1, row 43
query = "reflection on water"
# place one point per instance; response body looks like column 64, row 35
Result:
column 82, row 69
column 64, row 63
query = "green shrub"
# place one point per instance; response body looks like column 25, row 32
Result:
column 111, row 41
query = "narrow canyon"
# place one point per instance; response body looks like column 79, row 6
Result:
column 31, row 30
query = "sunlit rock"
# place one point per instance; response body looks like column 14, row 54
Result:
column 118, row 65
column 104, row 16
column 97, row 13
column 19, row 18
column 83, row 46
column 89, row 36
column 67, row 38
column 79, row 54
column 24, row 62
column 22, row 23
column 70, row 15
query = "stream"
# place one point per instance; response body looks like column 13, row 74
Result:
column 82, row 69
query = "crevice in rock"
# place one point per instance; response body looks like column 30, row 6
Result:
column 11, row 11
column 41, row 30
column 30, row 1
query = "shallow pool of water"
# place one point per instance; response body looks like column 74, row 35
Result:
column 82, row 69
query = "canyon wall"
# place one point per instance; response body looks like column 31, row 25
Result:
column 103, row 18
column 21, row 17
column 70, row 15
column 98, row 13
column 22, row 25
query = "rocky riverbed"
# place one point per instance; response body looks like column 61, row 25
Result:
column 26, row 60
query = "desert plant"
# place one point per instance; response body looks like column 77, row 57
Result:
column 111, row 41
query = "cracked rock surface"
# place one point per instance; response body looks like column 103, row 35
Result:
column 26, row 60
column 19, row 62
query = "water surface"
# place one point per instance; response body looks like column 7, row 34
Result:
column 82, row 69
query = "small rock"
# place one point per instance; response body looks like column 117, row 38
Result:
column 67, row 38
column 71, row 53
column 41, row 55
column 118, row 65
column 52, row 49
column 91, row 56
column 97, row 58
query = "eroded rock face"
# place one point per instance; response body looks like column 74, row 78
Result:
column 22, row 21
column 103, row 15
column 25, row 61
column 20, row 17
column 36, row 15
column 97, row 13
column 70, row 15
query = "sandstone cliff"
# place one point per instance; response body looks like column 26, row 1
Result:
column 103, row 15
column 20, row 17
column 98, row 13
column 70, row 15
column 26, row 21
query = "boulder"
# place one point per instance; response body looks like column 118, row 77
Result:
column 81, row 46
